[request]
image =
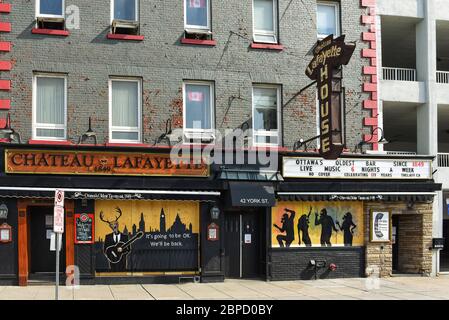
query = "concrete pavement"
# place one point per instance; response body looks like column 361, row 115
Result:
column 396, row 288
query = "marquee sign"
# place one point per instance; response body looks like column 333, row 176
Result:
column 101, row 163
column 295, row 167
column 329, row 55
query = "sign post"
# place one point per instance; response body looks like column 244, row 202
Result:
column 58, row 228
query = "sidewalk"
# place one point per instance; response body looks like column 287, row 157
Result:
column 403, row 288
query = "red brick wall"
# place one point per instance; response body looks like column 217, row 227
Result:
column 370, row 72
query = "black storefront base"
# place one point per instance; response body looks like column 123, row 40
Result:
column 294, row 263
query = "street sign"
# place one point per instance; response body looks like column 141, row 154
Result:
column 58, row 219
column 59, row 198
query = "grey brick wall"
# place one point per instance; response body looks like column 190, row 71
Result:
column 162, row 62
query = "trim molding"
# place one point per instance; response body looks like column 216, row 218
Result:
column 370, row 71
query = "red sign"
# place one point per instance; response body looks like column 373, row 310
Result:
column 58, row 219
column 212, row 232
column 197, row 3
column 195, row 96
column 5, row 233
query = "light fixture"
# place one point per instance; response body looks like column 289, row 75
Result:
column 382, row 140
column 215, row 213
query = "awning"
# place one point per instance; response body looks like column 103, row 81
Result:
column 251, row 194
column 250, row 175
column 356, row 196
column 109, row 194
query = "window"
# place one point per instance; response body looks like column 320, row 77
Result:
column 265, row 21
column 266, row 114
column 198, row 110
column 125, row 17
column 125, row 10
column 125, row 110
column 49, row 107
column 197, row 14
column 50, row 8
column 328, row 19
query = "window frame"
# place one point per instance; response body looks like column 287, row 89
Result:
column 211, row 86
column 275, row 32
column 112, row 128
column 137, row 2
column 265, row 133
column 39, row 15
column 336, row 5
column 196, row 27
column 36, row 125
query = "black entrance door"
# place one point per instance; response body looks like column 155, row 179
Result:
column 250, row 245
column 395, row 239
column 242, row 244
column 43, row 260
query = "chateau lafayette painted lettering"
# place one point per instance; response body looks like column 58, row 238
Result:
column 81, row 162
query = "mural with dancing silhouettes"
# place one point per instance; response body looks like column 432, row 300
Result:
column 318, row 223
column 146, row 236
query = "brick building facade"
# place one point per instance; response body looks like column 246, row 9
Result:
column 197, row 220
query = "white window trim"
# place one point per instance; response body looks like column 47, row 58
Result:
column 273, row 33
column 36, row 125
column 192, row 26
column 336, row 5
column 265, row 133
column 137, row 129
column 137, row 11
column 39, row 15
column 206, row 133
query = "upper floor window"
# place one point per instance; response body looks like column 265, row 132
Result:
column 125, row 110
column 328, row 19
column 265, row 21
column 198, row 110
column 125, row 16
column 49, row 107
column 197, row 14
column 266, row 114
column 50, row 14
column 50, row 8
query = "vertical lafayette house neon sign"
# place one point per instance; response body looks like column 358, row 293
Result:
column 329, row 55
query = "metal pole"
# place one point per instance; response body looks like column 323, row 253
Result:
column 57, row 267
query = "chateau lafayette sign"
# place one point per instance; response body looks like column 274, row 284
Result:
column 324, row 68
column 101, row 163
column 356, row 168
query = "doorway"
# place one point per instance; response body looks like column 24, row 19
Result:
column 244, row 243
column 42, row 256
column 395, row 243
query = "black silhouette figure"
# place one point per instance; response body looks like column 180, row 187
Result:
column 327, row 224
column 287, row 227
column 347, row 227
column 112, row 239
column 303, row 227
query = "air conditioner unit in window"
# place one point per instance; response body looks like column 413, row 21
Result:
column 200, row 34
column 125, row 26
column 198, row 137
column 50, row 23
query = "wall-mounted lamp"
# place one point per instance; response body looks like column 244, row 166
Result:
column 382, row 140
column 215, row 213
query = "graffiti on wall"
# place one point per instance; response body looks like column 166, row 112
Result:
column 309, row 224
column 146, row 235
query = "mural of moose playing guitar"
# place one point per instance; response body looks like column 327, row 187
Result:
column 116, row 244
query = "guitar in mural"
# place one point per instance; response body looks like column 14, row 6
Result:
column 116, row 252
